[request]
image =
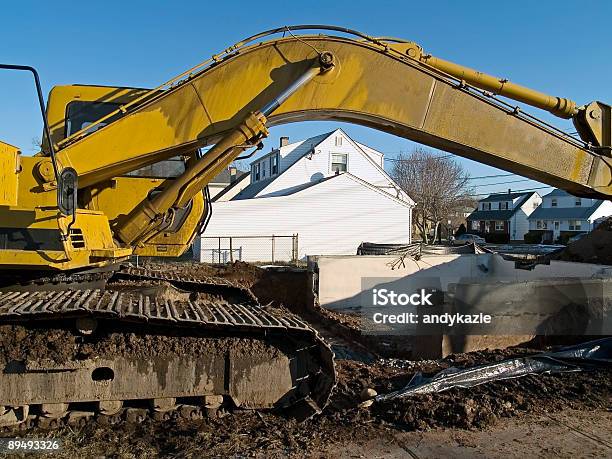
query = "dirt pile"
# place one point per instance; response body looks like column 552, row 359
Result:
column 595, row 247
column 281, row 286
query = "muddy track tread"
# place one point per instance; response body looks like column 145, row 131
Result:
column 20, row 306
column 140, row 274
column 247, row 317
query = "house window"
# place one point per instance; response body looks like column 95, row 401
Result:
column 475, row 225
column 575, row 225
column 556, row 225
column 274, row 165
column 499, row 226
column 539, row 224
column 487, row 226
column 553, row 203
column 489, row 206
column 257, row 172
column 338, row 163
column 338, row 141
column 578, row 202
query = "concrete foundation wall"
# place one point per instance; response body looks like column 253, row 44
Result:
column 548, row 299
column 340, row 277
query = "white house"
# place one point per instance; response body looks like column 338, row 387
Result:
column 330, row 191
column 562, row 215
column 503, row 217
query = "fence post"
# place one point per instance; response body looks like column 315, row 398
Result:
column 231, row 251
column 273, row 249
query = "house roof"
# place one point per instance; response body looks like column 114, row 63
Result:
column 557, row 192
column 338, row 177
column 500, row 214
column 503, row 197
column 225, row 177
column 297, row 151
column 574, row 213
column 240, row 178
column 490, row 215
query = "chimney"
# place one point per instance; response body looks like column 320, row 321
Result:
column 232, row 172
column 284, row 141
column 509, row 191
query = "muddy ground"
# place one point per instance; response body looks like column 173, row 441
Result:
column 344, row 426
column 461, row 418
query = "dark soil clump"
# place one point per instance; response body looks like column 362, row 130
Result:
column 595, row 247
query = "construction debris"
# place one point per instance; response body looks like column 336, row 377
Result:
column 580, row 357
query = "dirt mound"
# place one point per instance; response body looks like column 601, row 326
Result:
column 595, row 247
column 280, row 286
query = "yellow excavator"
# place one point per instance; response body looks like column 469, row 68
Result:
column 73, row 213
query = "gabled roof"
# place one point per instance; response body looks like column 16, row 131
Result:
column 338, row 177
column 503, row 197
column 557, row 192
column 574, row 213
column 297, row 150
column 500, row 214
column 225, row 177
column 240, row 178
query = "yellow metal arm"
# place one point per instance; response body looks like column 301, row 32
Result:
column 375, row 84
column 152, row 213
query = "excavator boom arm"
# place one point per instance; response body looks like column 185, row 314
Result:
column 374, row 83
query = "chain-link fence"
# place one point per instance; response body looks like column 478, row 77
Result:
column 254, row 249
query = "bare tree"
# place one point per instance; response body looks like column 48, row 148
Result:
column 438, row 185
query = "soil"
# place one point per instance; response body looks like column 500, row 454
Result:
column 344, row 424
column 595, row 247
column 345, row 427
column 60, row 345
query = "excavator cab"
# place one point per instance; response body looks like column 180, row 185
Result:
column 75, row 107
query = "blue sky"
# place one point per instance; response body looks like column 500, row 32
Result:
column 559, row 47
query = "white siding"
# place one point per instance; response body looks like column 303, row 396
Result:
column 519, row 225
column 332, row 217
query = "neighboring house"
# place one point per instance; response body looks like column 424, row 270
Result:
column 224, row 179
column 243, row 179
column 503, row 217
column 329, row 190
column 310, row 160
column 562, row 215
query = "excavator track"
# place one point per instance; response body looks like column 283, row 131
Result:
column 139, row 353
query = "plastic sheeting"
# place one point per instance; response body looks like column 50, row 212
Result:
column 583, row 356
